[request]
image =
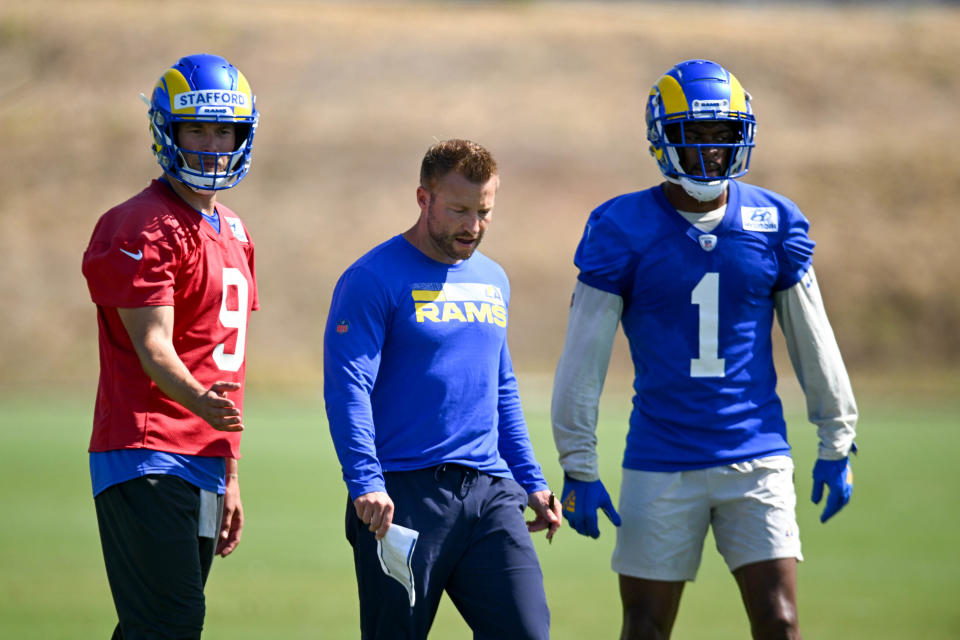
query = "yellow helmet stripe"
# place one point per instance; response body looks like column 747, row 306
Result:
column 672, row 96
column 173, row 83
column 243, row 86
column 738, row 97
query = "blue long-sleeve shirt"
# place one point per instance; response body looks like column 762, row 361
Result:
column 417, row 371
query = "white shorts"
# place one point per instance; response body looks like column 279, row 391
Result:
column 751, row 506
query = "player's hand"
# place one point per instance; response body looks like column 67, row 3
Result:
column 580, row 503
column 218, row 410
column 547, row 508
column 375, row 509
column 232, row 524
column 838, row 477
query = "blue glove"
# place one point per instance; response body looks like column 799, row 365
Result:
column 580, row 502
column 838, row 476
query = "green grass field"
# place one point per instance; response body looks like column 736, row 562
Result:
column 886, row 567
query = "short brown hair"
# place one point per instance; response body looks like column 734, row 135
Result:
column 467, row 158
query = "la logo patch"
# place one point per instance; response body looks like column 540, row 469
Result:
column 765, row 219
column 236, row 227
column 708, row 241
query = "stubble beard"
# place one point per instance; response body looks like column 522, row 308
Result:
column 447, row 243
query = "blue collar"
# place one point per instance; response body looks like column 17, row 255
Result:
column 213, row 219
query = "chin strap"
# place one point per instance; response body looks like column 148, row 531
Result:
column 209, row 181
column 702, row 191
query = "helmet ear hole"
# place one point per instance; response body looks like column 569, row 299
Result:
column 673, row 133
column 242, row 132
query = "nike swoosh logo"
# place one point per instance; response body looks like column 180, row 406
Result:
column 135, row 256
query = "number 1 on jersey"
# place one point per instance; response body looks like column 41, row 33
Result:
column 706, row 295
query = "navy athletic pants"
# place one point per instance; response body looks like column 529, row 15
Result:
column 156, row 563
column 473, row 544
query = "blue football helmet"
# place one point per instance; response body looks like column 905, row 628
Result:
column 699, row 91
column 204, row 88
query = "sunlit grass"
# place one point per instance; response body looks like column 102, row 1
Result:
column 885, row 567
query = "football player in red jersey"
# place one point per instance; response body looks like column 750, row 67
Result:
column 171, row 271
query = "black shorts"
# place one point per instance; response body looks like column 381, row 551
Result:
column 156, row 562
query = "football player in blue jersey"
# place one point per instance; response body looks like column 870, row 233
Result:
column 426, row 419
column 695, row 270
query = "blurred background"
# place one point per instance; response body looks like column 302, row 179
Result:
column 857, row 111
column 856, row 107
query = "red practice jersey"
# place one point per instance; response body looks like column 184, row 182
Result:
column 156, row 250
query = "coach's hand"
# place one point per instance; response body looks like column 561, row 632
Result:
column 545, row 505
column 375, row 509
column 838, row 476
column 580, row 503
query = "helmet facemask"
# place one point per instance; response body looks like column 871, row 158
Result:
column 696, row 179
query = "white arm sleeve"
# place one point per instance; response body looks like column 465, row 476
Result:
column 592, row 326
column 816, row 360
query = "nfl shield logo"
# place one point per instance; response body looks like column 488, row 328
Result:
column 708, row 242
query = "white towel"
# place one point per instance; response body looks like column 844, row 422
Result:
column 395, row 551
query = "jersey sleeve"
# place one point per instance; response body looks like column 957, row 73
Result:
column 816, row 360
column 352, row 344
column 514, row 439
column 795, row 251
column 255, row 305
column 133, row 266
column 603, row 256
column 578, row 383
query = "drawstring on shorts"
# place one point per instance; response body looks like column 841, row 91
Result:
column 468, row 477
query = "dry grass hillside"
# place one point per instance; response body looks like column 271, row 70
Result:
column 858, row 125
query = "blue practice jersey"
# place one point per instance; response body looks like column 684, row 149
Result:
column 698, row 314
column 417, row 372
